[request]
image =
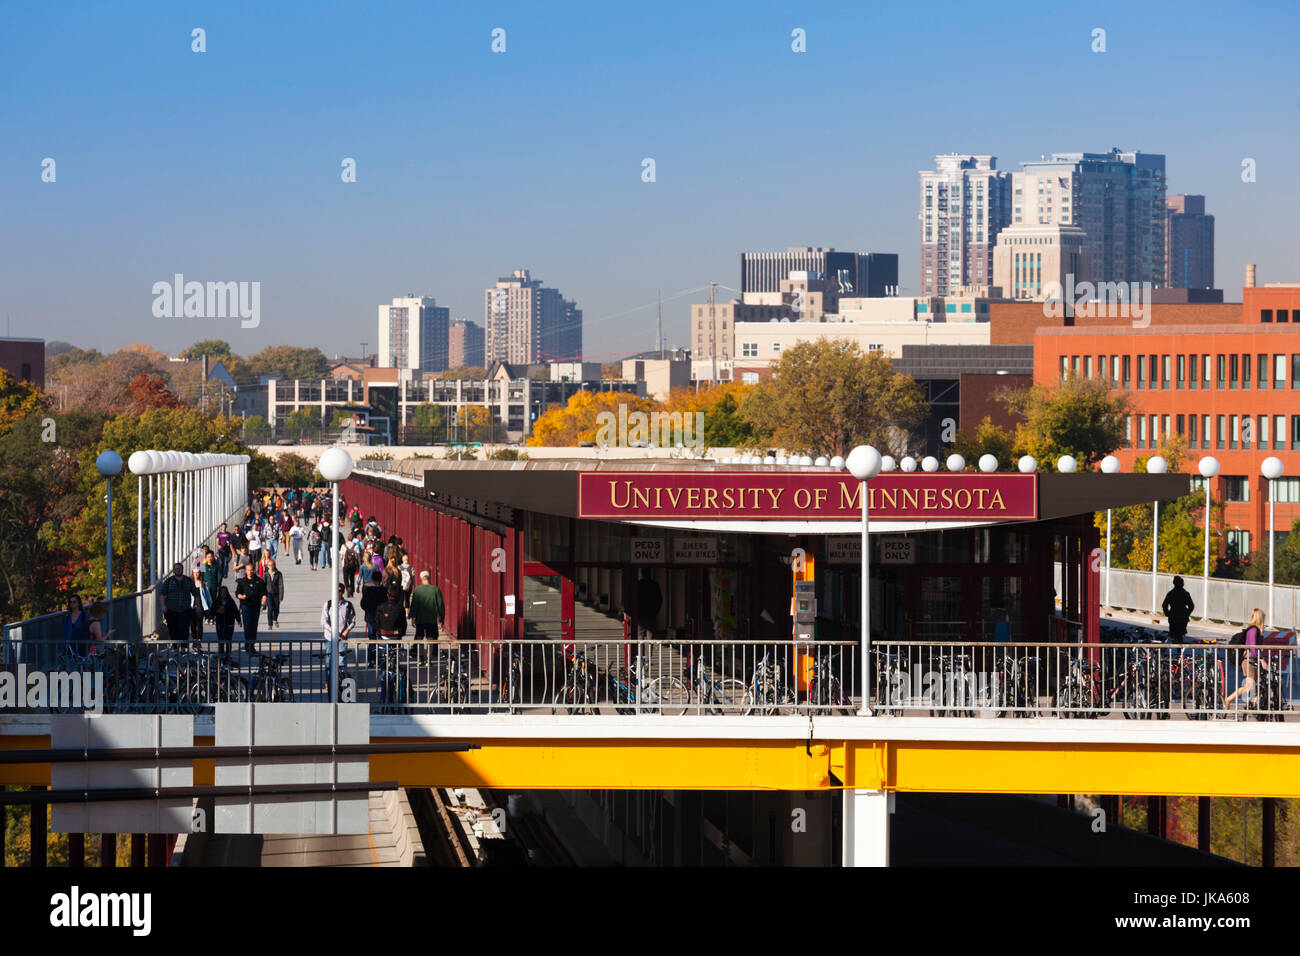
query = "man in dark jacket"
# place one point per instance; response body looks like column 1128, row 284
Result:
column 211, row 573
column 177, row 593
column 274, row 582
column 648, row 601
column 372, row 595
column 1178, row 607
column 251, row 593
column 390, row 616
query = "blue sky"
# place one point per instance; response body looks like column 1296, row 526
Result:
column 225, row 165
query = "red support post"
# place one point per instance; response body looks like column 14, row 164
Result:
column 76, row 849
column 108, row 849
column 137, row 850
column 39, row 828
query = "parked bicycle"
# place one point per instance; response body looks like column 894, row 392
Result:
column 631, row 692
column 716, row 695
column 767, row 692
column 577, row 693
column 271, row 685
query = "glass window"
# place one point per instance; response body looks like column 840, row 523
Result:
column 1102, row 371
column 1128, row 431
column 1164, row 426
column 1191, row 433
column 1286, row 490
column 1266, row 315
column 1142, row 372
column 1236, row 488
column 1193, row 379
column 1155, row 431
column 1164, row 371
column 1245, row 371
column 1142, row 431
column 1205, row 370
column 1087, row 366
column 1218, row 432
column 1126, row 374
column 1295, row 432
column 1233, row 426
column 1114, row 368
column 1219, row 367
column 1261, row 369
column 1295, row 371
column 1154, row 368
column 1238, row 544
column 1178, row 424
column 1279, row 371
column 1233, row 371
column 1065, row 367
column 1281, row 315
column 1182, row 371
column 1279, row 432
column 1263, row 432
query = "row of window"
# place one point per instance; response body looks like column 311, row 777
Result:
column 1231, row 432
column 1186, row 371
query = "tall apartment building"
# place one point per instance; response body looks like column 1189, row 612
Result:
column 465, row 344
column 871, row 274
column 1189, row 243
column 526, row 322
column 1116, row 198
column 413, row 334
column 965, row 203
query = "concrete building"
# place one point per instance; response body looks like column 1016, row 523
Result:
column 413, row 334
column 965, row 203
column 24, row 359
column 1029, row 258
column 852, row 273
column 1189, row 243
column 713, row 330
column 1116, row 198
column 465, row 344
column 527, row 322
column 660, row 376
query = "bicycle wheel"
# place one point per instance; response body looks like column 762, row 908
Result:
column 668, row 695
column 727, row 696
column 760, row 699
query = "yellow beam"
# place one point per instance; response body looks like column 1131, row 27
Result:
column 923, row 766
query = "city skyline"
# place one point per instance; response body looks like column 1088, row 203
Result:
column 230, row 171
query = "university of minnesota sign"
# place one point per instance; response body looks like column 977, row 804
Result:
column 750, row 496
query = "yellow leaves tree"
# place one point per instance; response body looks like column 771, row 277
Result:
column 566, row 425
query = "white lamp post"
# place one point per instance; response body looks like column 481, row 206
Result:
column 109, row 464
column 139, row 465
column 1155, row 466
column 1208, row 467
column 335, row 465
column 1271, row 468
column 1109, row 466
column 864, row 464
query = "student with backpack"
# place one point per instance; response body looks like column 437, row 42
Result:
column 390, row 616
column 313, row 546
column 1248, row 639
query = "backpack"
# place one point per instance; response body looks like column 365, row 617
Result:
column 390, row 617
column 313, row 539
column 1239, row 638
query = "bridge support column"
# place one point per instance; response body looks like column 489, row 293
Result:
column 866, row 828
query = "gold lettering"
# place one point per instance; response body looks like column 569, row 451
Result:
column 658, row 498
column 711, row 498
column 613, row 494
column 820, row 495
column 997, row 501
column 728, row 497
column 889, row 496
column 641, row 498
column 958, row 502
column 946, row 497
column 775, row 496
column 980, row 493
column 853, row 499
column 674, row 494
column 931, row 497
column 807, row 498
column 910, row 499
column 693, row 499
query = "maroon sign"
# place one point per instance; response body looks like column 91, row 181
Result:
column 749, row 496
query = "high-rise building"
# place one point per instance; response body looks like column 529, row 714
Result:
column 871, row 274
column 527, row 323
column 413, row 334
column 1116, row 198
column 465, row 344
column 965, row 202
column 1029, row 259
column 1189, row 243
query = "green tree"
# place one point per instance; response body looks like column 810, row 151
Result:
column 463, row 371
column 1079, row 417
column 1286, row 559
column 261, row 469
column 213, row 348
column 295, row 471
column 725, row 428
column 826, row 397
column 303, row 418
column 288, row 362
column 988, row 439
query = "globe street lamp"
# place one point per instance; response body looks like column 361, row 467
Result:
column 335, row 465
column 1155, row 466
column 109, row 464
column 864, row 464
column 1109, row 466
column 1271, row 468
column 1208, row 467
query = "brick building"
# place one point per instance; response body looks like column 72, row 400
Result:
column 1224, row 376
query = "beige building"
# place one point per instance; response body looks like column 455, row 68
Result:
column 661, row 376
column 526, row 323
column 965, row 202
column 1028, row 259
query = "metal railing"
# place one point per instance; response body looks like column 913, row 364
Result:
column 38, row 641
column 1129, row 676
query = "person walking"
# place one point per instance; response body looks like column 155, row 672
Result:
column 254, row 543
column 313, row 546
column 427, row 610
column 76, row 627
column 408, row 580
column 648, row 601
column 1251, row 638
column 295, row 540
column 243, row 562
column 177, row 594
column 96, row 632
column 202, row 602
column 350, row 566
column 286, row 523
column 211, row 572
column 224, row 614
column 274, row 581
column 390, row 616
column 1178, row 606
column 329, row 546
column 252, row 598
column 224, row 551
column 372, row 595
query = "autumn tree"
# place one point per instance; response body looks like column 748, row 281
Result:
column 288, row 362
column 213, row 348
column 989, row 439
column 578, row 420
column 1080, row 417
column 826, row 397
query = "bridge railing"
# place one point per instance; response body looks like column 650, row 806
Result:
column 660, row 678
column 38, row 641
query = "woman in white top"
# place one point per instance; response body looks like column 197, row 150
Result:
column 254, row 543
column 295, row 536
